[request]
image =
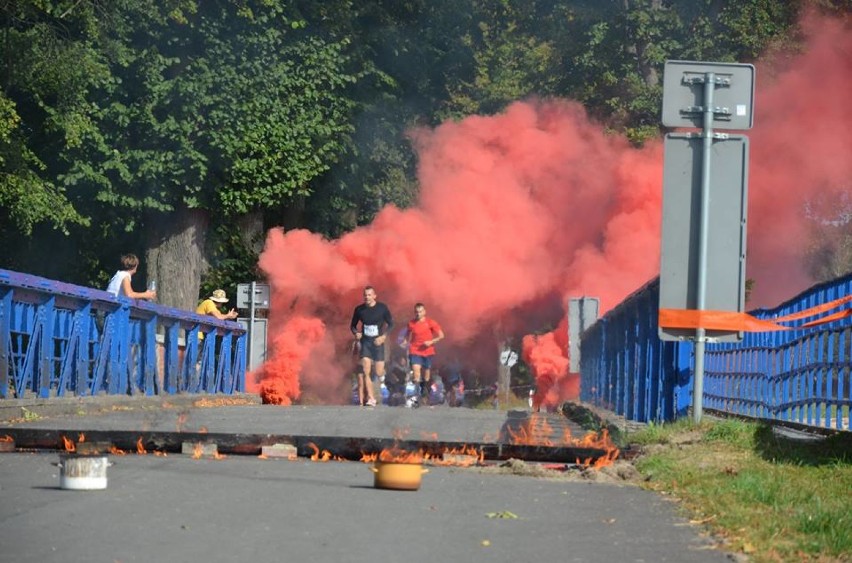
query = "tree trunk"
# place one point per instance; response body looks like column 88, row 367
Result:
column 250, row 226
column 175, row 256
column 637, row 49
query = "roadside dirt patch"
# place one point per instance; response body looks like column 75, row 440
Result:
column 620, row 472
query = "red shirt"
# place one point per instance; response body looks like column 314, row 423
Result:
column 418, row 333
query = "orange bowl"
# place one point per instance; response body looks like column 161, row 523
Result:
column 397, row 476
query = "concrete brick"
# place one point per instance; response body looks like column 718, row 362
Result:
column 279, row 451
column 88, row 448
column 202, row 449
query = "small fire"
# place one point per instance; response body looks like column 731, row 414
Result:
column 263, row 456
column 5, row 438
column 398, row 455
column 160, row 453
column 140, row 448
column 181, row 420
column 600, row 441
column 81, row 438
column 534, row 431
column 197, row 451
column 464, row 456
column 323, row 455
column 537, row 431
column 117, row 451
column 69, row 445
column 202, row 430
column 603, row 461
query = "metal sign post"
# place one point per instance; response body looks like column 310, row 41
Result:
column 697, row 94
column 253, row 296
column 582, row 313
column 508, row 358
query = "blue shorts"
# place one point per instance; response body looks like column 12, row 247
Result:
column 369, row 349
column 425, row 361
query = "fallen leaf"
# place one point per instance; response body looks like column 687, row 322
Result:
column 503, row 514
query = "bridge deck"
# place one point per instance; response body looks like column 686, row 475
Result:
column 344, row 431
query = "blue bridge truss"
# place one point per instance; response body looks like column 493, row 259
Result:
column 59, row 339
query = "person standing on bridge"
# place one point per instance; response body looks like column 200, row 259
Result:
column 210, row 306
column 423, row 334
column 375, row 323
column 119, row 285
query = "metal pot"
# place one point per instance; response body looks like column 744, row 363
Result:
column 83, row 472
column 397, row 476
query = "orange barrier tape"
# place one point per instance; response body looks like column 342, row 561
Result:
column 743, row 322
column 715, row 320
column 815, row 310
column 829, row 318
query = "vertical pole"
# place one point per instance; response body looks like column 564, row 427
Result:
column 251, row 327
column 700, row 333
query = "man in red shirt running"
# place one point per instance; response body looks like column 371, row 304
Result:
column 422, row 335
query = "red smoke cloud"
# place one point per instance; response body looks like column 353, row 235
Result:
column 800, row 154
column 521, row 210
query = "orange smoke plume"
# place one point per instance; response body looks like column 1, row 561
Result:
column 521, row 210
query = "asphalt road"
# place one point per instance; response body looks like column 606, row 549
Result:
column 243, row 508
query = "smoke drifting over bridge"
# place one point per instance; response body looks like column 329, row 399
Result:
column 522, row 210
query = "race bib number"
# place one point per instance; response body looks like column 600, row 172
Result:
column 371, row 330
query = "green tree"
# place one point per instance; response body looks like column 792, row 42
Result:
column 221, row 110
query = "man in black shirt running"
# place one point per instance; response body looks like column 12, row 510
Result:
column 376, row 322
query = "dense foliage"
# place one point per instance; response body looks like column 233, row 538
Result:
column 229, row 116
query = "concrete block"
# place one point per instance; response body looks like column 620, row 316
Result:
column 89, row 448
column 200, row 449
column 279, row 451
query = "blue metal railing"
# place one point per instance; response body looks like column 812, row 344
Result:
column 802, row 375
column 60, row 339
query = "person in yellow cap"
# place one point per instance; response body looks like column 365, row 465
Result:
column 209, row 306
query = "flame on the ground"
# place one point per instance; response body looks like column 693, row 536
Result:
column 5, row 438
column 603, row 442
column 464, row 456
column 262, row 456
column 160, row 453
column 394, row 454
column 140, row 448
column 537, row 431
column 70, row 446
column 117, row 451
column 323, row 455
column 81, row 438
column 197, row 451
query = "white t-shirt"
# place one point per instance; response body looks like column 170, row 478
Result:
column 116, row 284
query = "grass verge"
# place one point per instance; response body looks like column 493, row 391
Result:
column 772, row 497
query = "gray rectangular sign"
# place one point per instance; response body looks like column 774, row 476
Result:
column 261, row 296
column 683, row 94
column 726, row 245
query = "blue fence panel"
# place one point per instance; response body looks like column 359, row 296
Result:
column 802, row 375
column 59, row 339
column 627, row 369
